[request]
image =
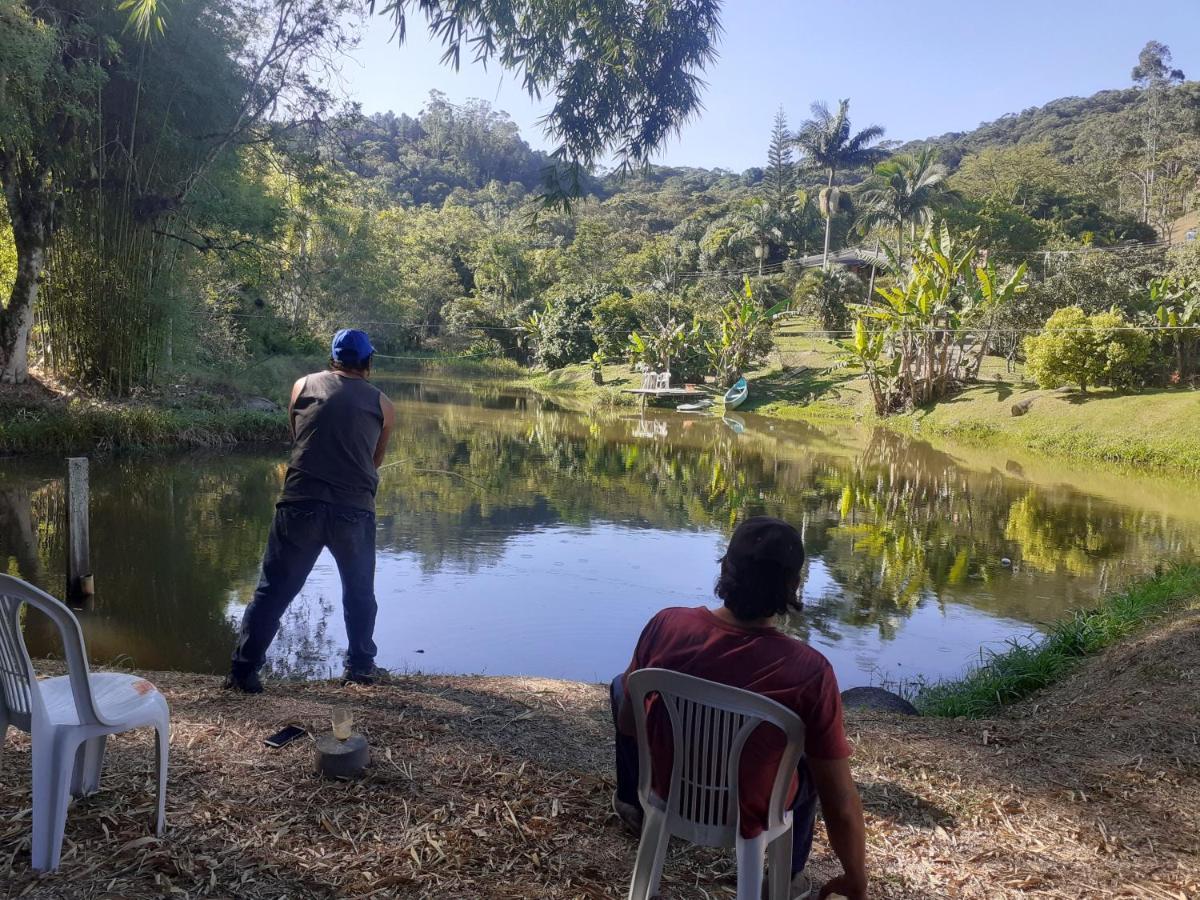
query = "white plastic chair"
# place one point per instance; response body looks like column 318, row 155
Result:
column 664, row 381
column 650, row 381
column 69, row 717
column 710, row 724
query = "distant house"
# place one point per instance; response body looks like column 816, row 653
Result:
column 859, row 260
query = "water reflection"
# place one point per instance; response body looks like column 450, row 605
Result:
column 519, row 537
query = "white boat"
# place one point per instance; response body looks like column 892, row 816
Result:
column 736, row 395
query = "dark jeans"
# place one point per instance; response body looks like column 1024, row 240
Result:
column 804, row 809
column 298, row 534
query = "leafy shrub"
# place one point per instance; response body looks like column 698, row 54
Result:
column 1095, row 282
column 565, row 333
column 616, row 315
column 1086, row 350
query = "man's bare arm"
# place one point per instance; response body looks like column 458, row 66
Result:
column 388, row 409
column 296, row 389
column 843, row 812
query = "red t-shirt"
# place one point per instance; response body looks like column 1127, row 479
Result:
column 696, row 642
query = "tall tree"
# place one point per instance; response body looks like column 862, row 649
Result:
column 903, row 191
column 760, row 222
column 829, row 147
column 50, row 64
column 779, row 181
column 1153, row 74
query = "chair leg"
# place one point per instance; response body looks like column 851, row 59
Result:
column 162, row 749
column 779, row 866
column 652, row 851
column 89, row 760
column 750, row 867
column 51, row 788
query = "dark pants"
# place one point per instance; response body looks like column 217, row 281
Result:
column 804, row 809
column 298, row 534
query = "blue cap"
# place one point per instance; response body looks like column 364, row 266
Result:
column 351, row 347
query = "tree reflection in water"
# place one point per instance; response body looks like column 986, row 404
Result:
column 892, row 525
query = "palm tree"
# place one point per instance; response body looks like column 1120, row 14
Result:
column 760, row 222
column 828, row 147
column 904, row 190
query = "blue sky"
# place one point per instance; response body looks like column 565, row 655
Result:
column 918, row 69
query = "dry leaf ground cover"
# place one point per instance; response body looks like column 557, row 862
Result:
column 499, row 787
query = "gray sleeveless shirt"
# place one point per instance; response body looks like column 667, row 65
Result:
column 338, row 423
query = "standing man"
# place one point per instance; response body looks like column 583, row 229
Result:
column 340, row 426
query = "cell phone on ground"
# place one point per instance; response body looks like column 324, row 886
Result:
column 285, row 737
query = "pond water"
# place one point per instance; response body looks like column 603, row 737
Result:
column 518, row 537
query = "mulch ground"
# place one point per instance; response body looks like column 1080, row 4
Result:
column 499, row 788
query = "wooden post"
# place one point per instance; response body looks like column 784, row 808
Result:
column 79, row 553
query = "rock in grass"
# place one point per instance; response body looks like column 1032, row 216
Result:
column 261, row 404
column 1022, row 407
column 877, row 698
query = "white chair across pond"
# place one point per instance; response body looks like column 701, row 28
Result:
column 69, row 718
column 710, row 725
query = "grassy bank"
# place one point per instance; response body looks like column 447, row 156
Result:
column 461, row 366
column 191, row 408
column 1157, row 429
column 79, row 426
column 1007, row 677
column 576, row 385
column 187, row 410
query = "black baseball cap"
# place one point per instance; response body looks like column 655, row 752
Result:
column 765, row 539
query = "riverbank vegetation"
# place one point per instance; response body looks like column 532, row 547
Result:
column 1087, row 790
column 1007, row 676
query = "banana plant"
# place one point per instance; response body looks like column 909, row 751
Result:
column 743, row 335
column 867, row 350
column 664, row 343
column 991, row 294
column 923, row 322
column 1176, row 309
column 531, row 331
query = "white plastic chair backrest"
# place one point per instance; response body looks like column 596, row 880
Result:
column 19, row 693
column 710, row 724
column 664, row 380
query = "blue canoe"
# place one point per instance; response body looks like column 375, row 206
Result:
column 736, row 395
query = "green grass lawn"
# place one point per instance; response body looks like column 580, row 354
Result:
column 1152, row 428
column 1159, row 428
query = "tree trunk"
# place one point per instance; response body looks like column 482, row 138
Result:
column 16, row 320
column 828, row 227
column 30, row 211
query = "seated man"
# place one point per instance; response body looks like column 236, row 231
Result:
column 737, row 645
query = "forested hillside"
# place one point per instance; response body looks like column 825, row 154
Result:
column 226, row 207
